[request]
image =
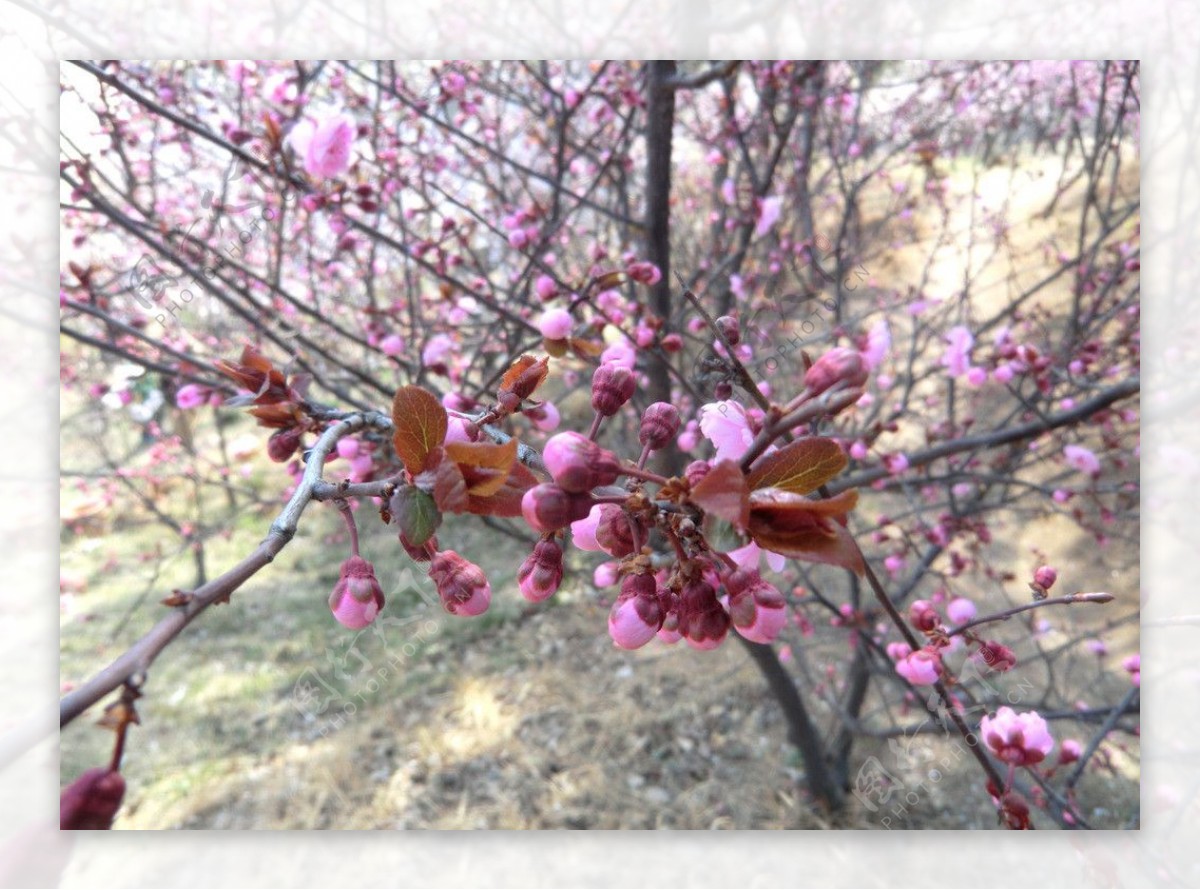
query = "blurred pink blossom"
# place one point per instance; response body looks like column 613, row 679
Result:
column 725, row 425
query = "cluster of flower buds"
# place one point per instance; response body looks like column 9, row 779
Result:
column 648, row 606
column 542, row 571
column 357, row 596
column 578, row 464
column 461, row 584
column 924, row 666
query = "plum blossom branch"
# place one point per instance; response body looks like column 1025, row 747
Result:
column 137, row 659
column 1068, row 599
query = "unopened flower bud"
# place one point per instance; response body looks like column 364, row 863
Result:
column 756, row 608
column 702, row 620
column 357, row 596
column 660, row 423
column 838, row 365
column 1070, row 751
column 612, row 387
column 1045, row 577
column 921, row 668
column 723, row 391
column 579, row 464
column 923, row 615
column 672, row 343
column 730, row 330
column 615, row 532
column 542, row 571
column 549, row 507
column 637, row 614
column 91, row 802
column 461, row 584
column 997, row 657
column 695, row 471
column 644, row 273
column 283, row 444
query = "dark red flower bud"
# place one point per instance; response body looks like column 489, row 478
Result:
column 923, row 615
column 612, row 386
column 730, row 330
column 91, row 802
column 579, row 464
column 461, row 584
column 997, row 657
column 660, row 423
column 549, row 507
column 615, row 534
column 357, row 597
column 723, row 391
column 542, row 571
column 283, row 444
column 1045, row 577
column 702, row 620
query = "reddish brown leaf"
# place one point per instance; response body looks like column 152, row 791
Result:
column 837, row 547
column 505, row 501
column 255, row 373
column 525, row 375
column 806, row 529
column 421, row 425
column 449, row 486
column 723, row 493
column 484, row 465
column 799, row 467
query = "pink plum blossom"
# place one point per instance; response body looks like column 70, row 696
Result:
column 545, row 287
column 960, row 610
column 879, row 341
column 555, row 324
column 436, row 350
column 325, row 144
column 1082, row 459
column 769, row 210
column 921, row 668
column 392, row 344
column 1019, row 739
column 726, row 425
column 191, row 396
column 957, row 358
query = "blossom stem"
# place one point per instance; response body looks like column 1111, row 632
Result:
column 644, row 475
column 344, row 508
